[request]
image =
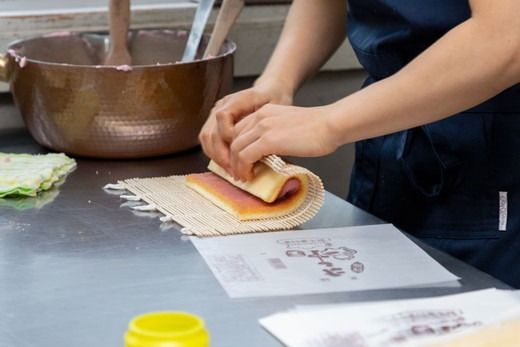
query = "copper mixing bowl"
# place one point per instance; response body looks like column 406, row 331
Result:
column 70, row 102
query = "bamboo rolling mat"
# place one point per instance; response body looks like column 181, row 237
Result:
column 198, row 216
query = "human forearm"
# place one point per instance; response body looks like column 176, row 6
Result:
column 314, row 29
column 469, row 65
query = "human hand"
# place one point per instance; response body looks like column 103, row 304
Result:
column 217, row 133
column 283, row 130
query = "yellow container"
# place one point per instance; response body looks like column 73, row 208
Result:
column 167, row 329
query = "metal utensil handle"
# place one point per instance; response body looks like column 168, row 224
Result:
column 228, row 14
column 197, row 29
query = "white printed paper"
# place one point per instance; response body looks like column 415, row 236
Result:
column 400, row 323
column 319, row 261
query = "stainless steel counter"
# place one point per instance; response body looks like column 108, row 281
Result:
column 74, row 271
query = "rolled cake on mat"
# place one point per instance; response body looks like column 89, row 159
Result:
column 280, row 197
column 270, row 194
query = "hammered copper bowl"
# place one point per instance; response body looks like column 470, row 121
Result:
column 70, row 102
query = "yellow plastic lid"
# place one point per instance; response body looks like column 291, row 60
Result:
column 167, row 329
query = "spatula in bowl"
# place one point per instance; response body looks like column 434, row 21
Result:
column 119, row 19
column 228, row 14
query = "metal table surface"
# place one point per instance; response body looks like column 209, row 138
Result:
column 74, row 271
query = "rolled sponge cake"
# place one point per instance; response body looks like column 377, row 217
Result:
column 270, row 194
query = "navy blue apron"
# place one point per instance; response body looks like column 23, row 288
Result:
column 454, row 183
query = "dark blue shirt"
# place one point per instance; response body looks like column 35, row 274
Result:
column 454, row 183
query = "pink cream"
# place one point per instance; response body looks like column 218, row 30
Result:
column 58, row 34
column 182, row 33
column 23, row 62
column 125, row 68
column 14, row 54
column 290, row 187
column 240, row 197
